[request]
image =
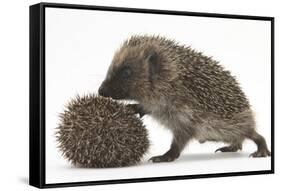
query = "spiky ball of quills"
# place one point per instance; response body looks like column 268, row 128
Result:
column 99, row 132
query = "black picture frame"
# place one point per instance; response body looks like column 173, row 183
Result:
column 37, row 94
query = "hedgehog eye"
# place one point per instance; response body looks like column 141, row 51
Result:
column 125, row 73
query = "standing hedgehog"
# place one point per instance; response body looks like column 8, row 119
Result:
column 189, row 93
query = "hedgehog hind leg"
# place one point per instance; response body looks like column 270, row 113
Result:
column 234, row 147
column 262, row 150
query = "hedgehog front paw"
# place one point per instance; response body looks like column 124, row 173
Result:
column 137, row 109
column 162, row 158
column 227, row 149
column 231, row 148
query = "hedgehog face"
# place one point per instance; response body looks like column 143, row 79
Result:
column 130, row 74
column 116, row 85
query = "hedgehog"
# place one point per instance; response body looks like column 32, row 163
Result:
column 98, row 132
column 189, row 93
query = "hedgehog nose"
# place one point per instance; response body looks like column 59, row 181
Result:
column 103, row 91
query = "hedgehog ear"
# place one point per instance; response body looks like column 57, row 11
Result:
column 153, row 64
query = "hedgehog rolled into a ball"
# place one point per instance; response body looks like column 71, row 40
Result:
column 99, row 132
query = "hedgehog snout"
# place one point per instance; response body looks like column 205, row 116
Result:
column 103, row 90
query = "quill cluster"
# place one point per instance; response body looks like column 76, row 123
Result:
column 99, row 132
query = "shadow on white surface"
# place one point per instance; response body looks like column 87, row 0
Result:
column 191, row 157
column 24, row 180
column 199, row 157
column 211, row 156
column 186, row 164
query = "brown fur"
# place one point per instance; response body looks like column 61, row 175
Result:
column 188, row 92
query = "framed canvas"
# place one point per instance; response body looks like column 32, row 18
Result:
column 194, row 83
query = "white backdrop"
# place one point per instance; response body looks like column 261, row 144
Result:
column 80, row 45
column 14, row 94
